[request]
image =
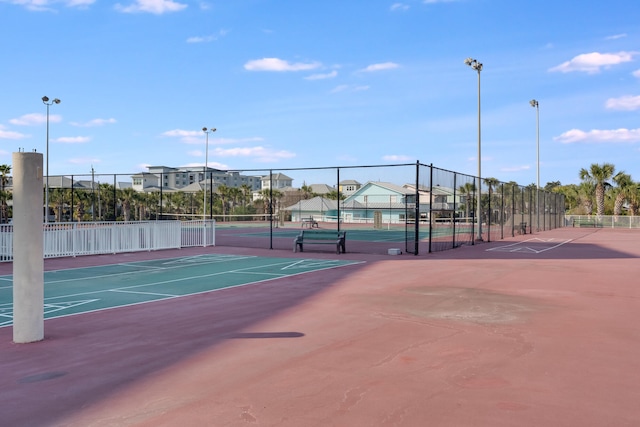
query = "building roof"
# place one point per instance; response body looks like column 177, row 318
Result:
column 321, row 188
column 316, row 204
column 276, row 176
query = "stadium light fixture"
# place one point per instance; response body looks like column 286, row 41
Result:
column 473, row 63
column 45, row 101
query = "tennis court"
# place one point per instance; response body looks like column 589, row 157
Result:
column 529, row 331
column 82, row 290
column 360, row 238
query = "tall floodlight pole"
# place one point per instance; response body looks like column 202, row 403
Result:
column 46, row 102
column 535, row 105
column 473, row 63
column 206, row 167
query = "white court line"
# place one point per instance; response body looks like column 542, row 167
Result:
column 124, row 289
column 181, row 279
column 143, row 293
column 130, row 264
column 520, row 246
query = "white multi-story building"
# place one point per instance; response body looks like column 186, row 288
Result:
column 190, row 179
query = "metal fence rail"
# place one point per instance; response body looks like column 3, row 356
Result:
column 95, row 238
column 602, row 221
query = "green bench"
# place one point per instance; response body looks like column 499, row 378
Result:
column 585, row 223
column 316, row 236
column 309, row 222
column 522, row 228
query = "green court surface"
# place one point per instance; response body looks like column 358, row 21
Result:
column 82, row 290
column 382, row 235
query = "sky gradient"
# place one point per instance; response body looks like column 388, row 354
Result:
column 291, row 83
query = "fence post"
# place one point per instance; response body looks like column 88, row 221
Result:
column 338, row 191
column 430, row 204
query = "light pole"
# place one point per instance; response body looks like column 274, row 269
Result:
column 535, row 105
column 206, row 166
column 473, row 63
column 46, row 102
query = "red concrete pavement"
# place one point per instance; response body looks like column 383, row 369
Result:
column 467, row 337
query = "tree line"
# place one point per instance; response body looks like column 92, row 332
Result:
column 602, row 191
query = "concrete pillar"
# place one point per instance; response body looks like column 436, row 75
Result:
column 28, row 244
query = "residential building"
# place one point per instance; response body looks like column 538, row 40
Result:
column 190, row 179
column 279, row 181
column 349, row 186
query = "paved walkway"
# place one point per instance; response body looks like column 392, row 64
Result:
column 520, row 332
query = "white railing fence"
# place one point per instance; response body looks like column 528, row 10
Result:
column 94, row 238
column 602, row 221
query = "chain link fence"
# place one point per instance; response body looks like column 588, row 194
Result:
column 414, row 208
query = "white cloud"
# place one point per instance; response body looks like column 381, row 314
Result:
column 47, row 5
column 330, row 75
column 380, row 67
column 259, row 153
column 340, row 88
column 201, row 39
column 226, row 141
column 636, row 73
column 197, row 137
column 182, row 133
column 627, row 103
column 396, row 158
column 399, row 6
column 207, row 39
column 599, row 136
column 35, row 119
column 593, row 62
column 157, row 7
column 349, row 88
column 8, row 134
column 215, row 165
column 276, row 64
column 93, row 123
column 616, row 37
column 187, row 136
column 73, row 139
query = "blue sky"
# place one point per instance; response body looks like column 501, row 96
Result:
column 291, row 83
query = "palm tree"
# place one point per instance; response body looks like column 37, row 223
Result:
column 266, row 195
column 491, row 183
column 598, row 175
column 127, row 197
column 585, row 194
column 307, row 191
column 468, row 190
column 4, row 180
column 225, row 195
column 58, row 197
column 246, row 194
column 235, row 195
column 634, row 199
column 106, row 207
column 624, row 185
column 81, row 197
column 571, row 195
column 333, row 195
